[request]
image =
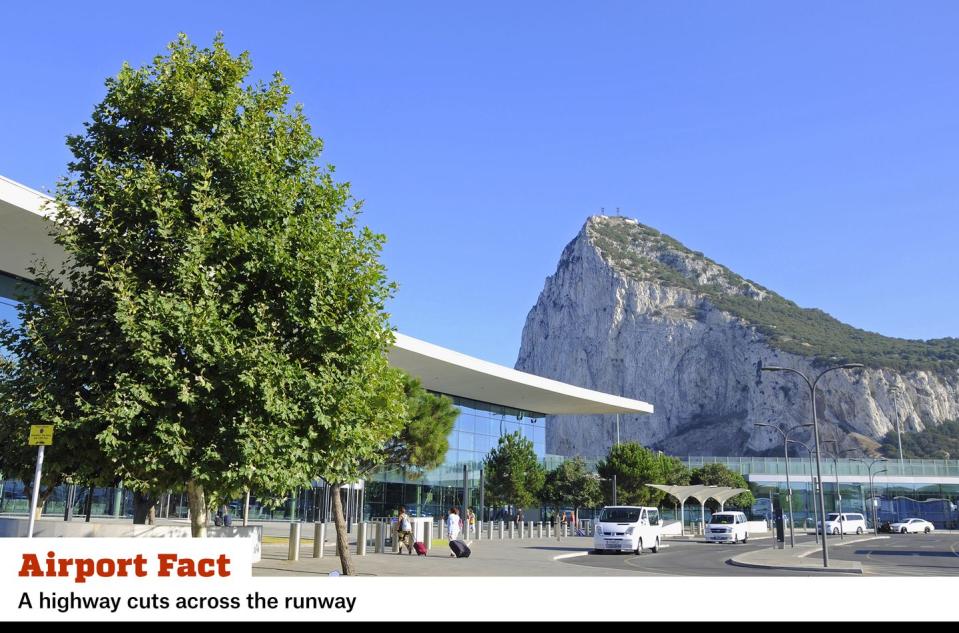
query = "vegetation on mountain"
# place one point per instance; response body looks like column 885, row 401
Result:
column 645, row 254
column 937, row 442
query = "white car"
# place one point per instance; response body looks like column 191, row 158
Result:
column 627, row 529
column 851, row 523
column 912, row 526
column 727, row 527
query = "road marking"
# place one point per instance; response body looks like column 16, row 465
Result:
column 570, row 555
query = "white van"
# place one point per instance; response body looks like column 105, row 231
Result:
column 852, row 523
column 727, row 527
column 627, row 529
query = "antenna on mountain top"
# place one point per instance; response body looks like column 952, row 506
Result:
column 617, row 211
column 602, row 210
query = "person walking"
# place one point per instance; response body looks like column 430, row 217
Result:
column 453, row 525
column 560, row 524
column 471, row 523
column 404, row 531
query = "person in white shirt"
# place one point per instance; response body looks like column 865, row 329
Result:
column 454, row 524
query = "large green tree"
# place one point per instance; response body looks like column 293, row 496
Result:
column 571, row 485
column 636, row 466
column 721, row 475
column 514, row 476
column 235, row 307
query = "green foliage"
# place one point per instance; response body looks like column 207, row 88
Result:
column 635, row 466
column 720, row 475
column 788, row 327
column 223, row 325
column 571, row 485
column 423, row 441
column 514, row 475
column 934, row 442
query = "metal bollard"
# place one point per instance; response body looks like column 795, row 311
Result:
column 566, row 529
column 489, row 531
column 396, row 538
column 539, row 528
column 442, row 529
column 361, row 539
column 522, row 529
column 380, row 537
column 512, row 529
column 294, row 552
column 501, row 530
column 319, row 539
column 428, row 536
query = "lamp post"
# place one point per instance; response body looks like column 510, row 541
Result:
column 815, row 422
column 872, row 494
column 812, row 489
column 896, row 392
column 789, row 490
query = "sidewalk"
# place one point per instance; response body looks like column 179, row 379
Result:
column 527, row 557
column 802, row 558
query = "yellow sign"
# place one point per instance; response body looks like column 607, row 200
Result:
column 41, row 434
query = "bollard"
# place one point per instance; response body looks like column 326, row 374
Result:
column 442, row 529
column 428, row 536
column 361, row 539
column 501, row 530
column 294, row 552
column 539, row 528
column 522, row 529
column 479, row 530
column 512, row 529
column 566, row 529
column 319, row 539
column 489, row 530
column 395, row 536
column 380, row 537
column 549, row 530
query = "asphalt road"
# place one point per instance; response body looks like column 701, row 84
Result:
column 899, row 555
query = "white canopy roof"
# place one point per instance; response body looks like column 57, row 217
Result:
column 700, row 493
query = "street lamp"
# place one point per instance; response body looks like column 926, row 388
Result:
column 812, row 489
column 872, row 494
column 789, row 490
column 835, row 464
column 815, row 428
column 896, row 392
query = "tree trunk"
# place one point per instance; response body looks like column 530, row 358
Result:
column 144, row 510
column 342, row 542
column 42, row 497
column 198, row 510
column 246, row 509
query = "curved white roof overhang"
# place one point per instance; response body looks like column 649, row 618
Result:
column 24, row 232
column 445, row 371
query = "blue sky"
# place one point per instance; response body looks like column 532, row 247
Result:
column 812, row 147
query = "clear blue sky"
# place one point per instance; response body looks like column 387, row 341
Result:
column 813, row 148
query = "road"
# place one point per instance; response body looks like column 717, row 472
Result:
column 899, row 555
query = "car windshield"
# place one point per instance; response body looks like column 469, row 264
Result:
column 722, row 519
column 619, row 515
column 832, row 517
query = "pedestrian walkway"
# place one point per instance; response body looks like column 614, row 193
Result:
column 489, row 558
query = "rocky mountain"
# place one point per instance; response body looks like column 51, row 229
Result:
column 633, row 312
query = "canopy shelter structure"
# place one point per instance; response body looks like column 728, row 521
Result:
column 700, row 493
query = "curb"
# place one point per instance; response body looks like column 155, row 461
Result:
column 828, row 570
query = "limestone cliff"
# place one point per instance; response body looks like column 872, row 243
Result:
column 633, row 312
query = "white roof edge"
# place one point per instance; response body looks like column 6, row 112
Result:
column 417, row 346
column 25, row 198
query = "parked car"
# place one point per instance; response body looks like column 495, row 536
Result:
column 627, row 529
column 851, row 523
column 912, row 526
column 725, row 527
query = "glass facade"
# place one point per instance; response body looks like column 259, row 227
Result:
column 476, row 431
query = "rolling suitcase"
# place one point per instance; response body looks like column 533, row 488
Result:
column 460, row 549
column 420, row 548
